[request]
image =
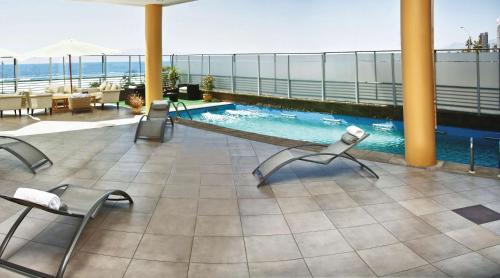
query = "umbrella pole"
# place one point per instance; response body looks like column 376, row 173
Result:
column 70, row 75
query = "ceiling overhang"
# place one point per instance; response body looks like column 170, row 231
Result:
column 139, row 2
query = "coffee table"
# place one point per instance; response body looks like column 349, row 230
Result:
column 60, row 104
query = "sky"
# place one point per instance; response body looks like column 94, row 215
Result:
column 239, row 26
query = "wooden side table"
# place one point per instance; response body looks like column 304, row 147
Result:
column 60, row 104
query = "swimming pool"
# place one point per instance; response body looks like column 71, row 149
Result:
column 385, row 136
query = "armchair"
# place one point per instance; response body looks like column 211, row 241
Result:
column 40, row 101
column 11, row 102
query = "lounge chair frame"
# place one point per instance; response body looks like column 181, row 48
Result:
column 306, row 157
column 59, row 190
column 147, row 118
column 32, row 166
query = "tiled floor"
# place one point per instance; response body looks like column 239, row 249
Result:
column 198, row 213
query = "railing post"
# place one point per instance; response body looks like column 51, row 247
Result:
column 2, row 74
column 16, row 75
column 80, row 71
column 50, row 70
column 64, row 70
column 356, row 85
column 499, row 82
column 172, row 60
column 471, row 156
column 209, row 70
column 288, row 76
column 129, row 68
column 478, row 87
column 140, row 69
column 393, row 77
column 233, row 61
column 375, row 73
column 201, row 72
column 189, row 69
column 323, row 81
column 274, row 64
column 258, row 75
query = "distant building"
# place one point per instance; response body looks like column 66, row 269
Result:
column 483, row 40
column 498, row 33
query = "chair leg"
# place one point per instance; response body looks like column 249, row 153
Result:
column 13, row 230
column 1, row 113
column 27, row 110
column 45, row 111
column 50, row 109
column 19, row 112
column 32, row 111
column 102, row 106
column 117, row 106
column 15, row 112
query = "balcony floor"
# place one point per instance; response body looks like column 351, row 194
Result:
column 198, row 212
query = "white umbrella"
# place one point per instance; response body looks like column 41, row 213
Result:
column 6, row 53
column 69, row 47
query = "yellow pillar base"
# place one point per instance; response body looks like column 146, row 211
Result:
column 154, row 90
column 418, row 82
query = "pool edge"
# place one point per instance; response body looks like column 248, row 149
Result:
column 375, row 156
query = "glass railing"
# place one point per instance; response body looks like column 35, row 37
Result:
column 465, row 81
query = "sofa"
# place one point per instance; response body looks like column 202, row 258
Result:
column 11, row 102
column 79, row 103
column 107, row 92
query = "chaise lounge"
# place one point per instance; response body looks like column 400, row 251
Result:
column 324, row 156
column 152, row 125
column 32, row 157
column 79, row 202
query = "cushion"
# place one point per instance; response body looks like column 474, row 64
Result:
column 103, row 86
column 349, row 139
column 108, row 86
column 67, row 89
column 162, row 107
column 51, row 89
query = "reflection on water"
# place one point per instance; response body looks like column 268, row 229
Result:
column 385, row 136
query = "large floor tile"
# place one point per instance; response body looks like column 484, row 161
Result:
column 409, row 228
column 255, row 225
column 236, row 270
column 293, row 268
column 391, row 259
column 164, row 248
column 349, row 217
column 218, row 226
column 156, row 269
column 469, row 265
column 475, row 237
column 368, row 236
column 218, row 250
column 339, row 265
column 437, row 247
column 313, row 244
column 308, row 222
column 113, row 243
column 93, row 265
column 271, row 248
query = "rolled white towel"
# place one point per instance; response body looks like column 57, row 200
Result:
column 355, row 131
column 42, row 198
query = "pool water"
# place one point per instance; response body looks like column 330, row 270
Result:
column 385, row 136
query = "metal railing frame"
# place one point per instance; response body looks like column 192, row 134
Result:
column 376, row 85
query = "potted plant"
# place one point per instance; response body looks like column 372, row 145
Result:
column 94, row 85
column 170, row 77
column 136, row 102
column 207, row 83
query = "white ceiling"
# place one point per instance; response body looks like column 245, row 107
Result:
column 139, row 2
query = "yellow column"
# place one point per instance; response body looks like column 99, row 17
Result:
column 153, row 53
column 418, row 82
